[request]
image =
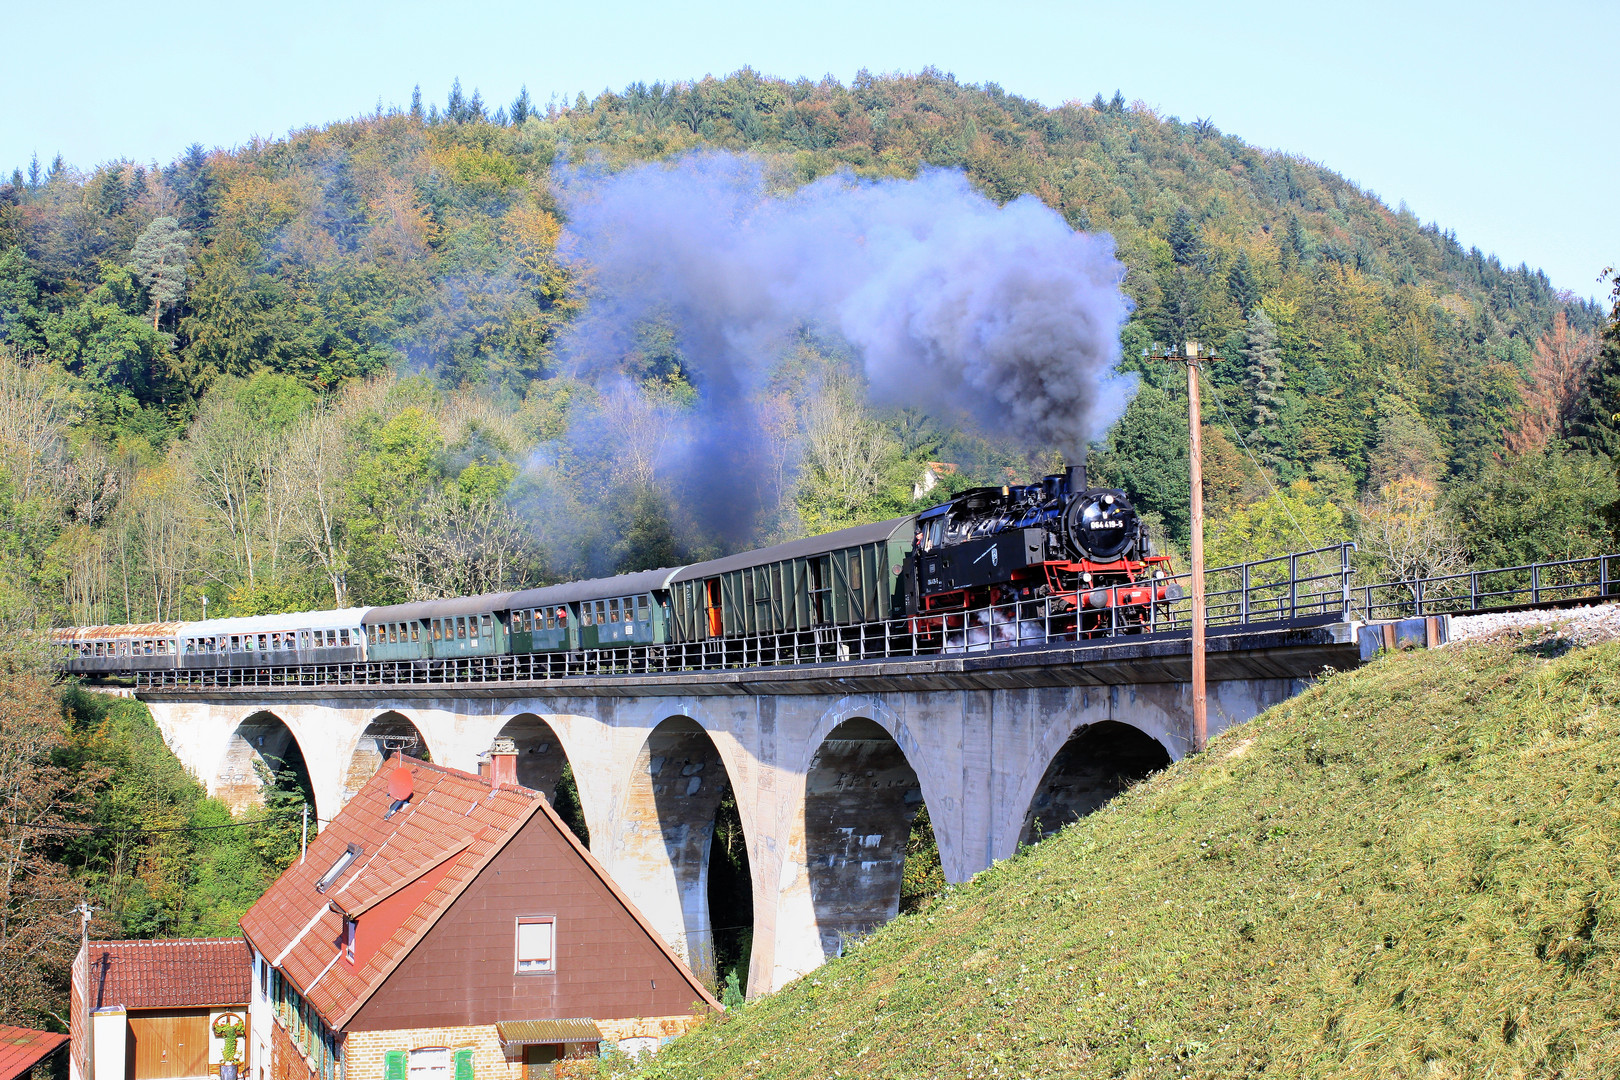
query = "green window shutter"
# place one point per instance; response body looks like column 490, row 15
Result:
column 395, row 1063
column 464, row 1069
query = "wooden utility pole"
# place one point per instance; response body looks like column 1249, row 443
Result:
column 1195, row 468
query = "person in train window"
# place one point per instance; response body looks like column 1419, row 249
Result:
column 461, row 628
column 415, row 627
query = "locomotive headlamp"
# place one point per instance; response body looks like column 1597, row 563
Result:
column 1086, row 578
column 1109, row 499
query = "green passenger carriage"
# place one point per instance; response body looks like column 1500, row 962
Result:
column 439, row 629
column 605, row 613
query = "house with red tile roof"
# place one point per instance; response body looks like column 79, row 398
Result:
column 448, row 926
column 156, row 1010
column 23, row 1048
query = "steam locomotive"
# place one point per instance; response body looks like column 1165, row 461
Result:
column 993, row 567
column 1057, row 559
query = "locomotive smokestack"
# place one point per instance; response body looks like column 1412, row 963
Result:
column 1077, row 479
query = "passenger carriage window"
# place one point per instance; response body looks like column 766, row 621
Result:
column 415, row 631
column 437, row 635
column 343, row 636
column 589, row 611
column 393, row 633
column 613, row 610
column 641, row 608
column 489, row 625
column 461, row 628
column 472, row 628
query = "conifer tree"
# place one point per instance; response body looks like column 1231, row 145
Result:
column 1264, row 383
column 416, row 103
column 522, row 107
column 159, row 259
column 1183, row 238
column 1595, row 419
column 1242, row 283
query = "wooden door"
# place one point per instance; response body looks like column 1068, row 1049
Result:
column 173, row 1045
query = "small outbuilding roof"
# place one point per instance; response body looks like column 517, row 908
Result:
column 523, row 1032
column 23, row 1048
column 169, row 974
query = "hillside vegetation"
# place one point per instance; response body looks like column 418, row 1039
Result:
column 1408, row 871
column 204, row 354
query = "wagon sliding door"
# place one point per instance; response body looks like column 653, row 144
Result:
column 711, row 608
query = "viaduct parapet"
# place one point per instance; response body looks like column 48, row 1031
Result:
column 828, row 764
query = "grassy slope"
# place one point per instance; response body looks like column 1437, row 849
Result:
column 1408, row 871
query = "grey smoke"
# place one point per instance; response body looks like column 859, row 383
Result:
column 953, row 304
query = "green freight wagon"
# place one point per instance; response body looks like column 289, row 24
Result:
column 604, row 613
column 851, row 576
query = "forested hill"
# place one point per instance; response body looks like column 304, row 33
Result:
column 423, row 240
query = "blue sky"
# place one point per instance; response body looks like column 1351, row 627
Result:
column 1491, row 118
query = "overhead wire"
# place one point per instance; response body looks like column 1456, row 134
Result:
column 90, row 830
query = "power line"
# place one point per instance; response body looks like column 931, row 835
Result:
column 92, row 830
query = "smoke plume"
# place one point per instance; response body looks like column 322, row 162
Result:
column 953, row 304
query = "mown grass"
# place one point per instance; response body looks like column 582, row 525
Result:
column 1408, row 871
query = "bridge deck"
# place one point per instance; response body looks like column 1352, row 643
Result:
column 1299, row 649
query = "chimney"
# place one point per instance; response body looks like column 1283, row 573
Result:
column 1077, row 479
column 483, row 766
column 503, row 762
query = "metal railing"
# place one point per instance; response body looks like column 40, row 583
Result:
column 1595, row 577
column 1309, row 585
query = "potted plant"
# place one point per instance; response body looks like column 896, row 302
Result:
column 229, row 1027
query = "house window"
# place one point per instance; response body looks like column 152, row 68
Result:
column 350, row 929
column 264, row 978
column 430, row 1063
column 536, row 941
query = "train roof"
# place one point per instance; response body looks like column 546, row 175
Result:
column 797, row 549
column 264, row 624
column 116, row 633
column 567, row 592
column 439, row 609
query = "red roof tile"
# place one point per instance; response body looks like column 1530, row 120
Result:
column 23, row 1048
column 454, row 820
column 172, row 973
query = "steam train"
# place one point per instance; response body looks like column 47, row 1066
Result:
column 993, row 567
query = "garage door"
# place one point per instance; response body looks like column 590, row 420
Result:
column 174, row 1045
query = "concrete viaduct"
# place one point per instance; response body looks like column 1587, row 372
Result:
column 828, row 763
